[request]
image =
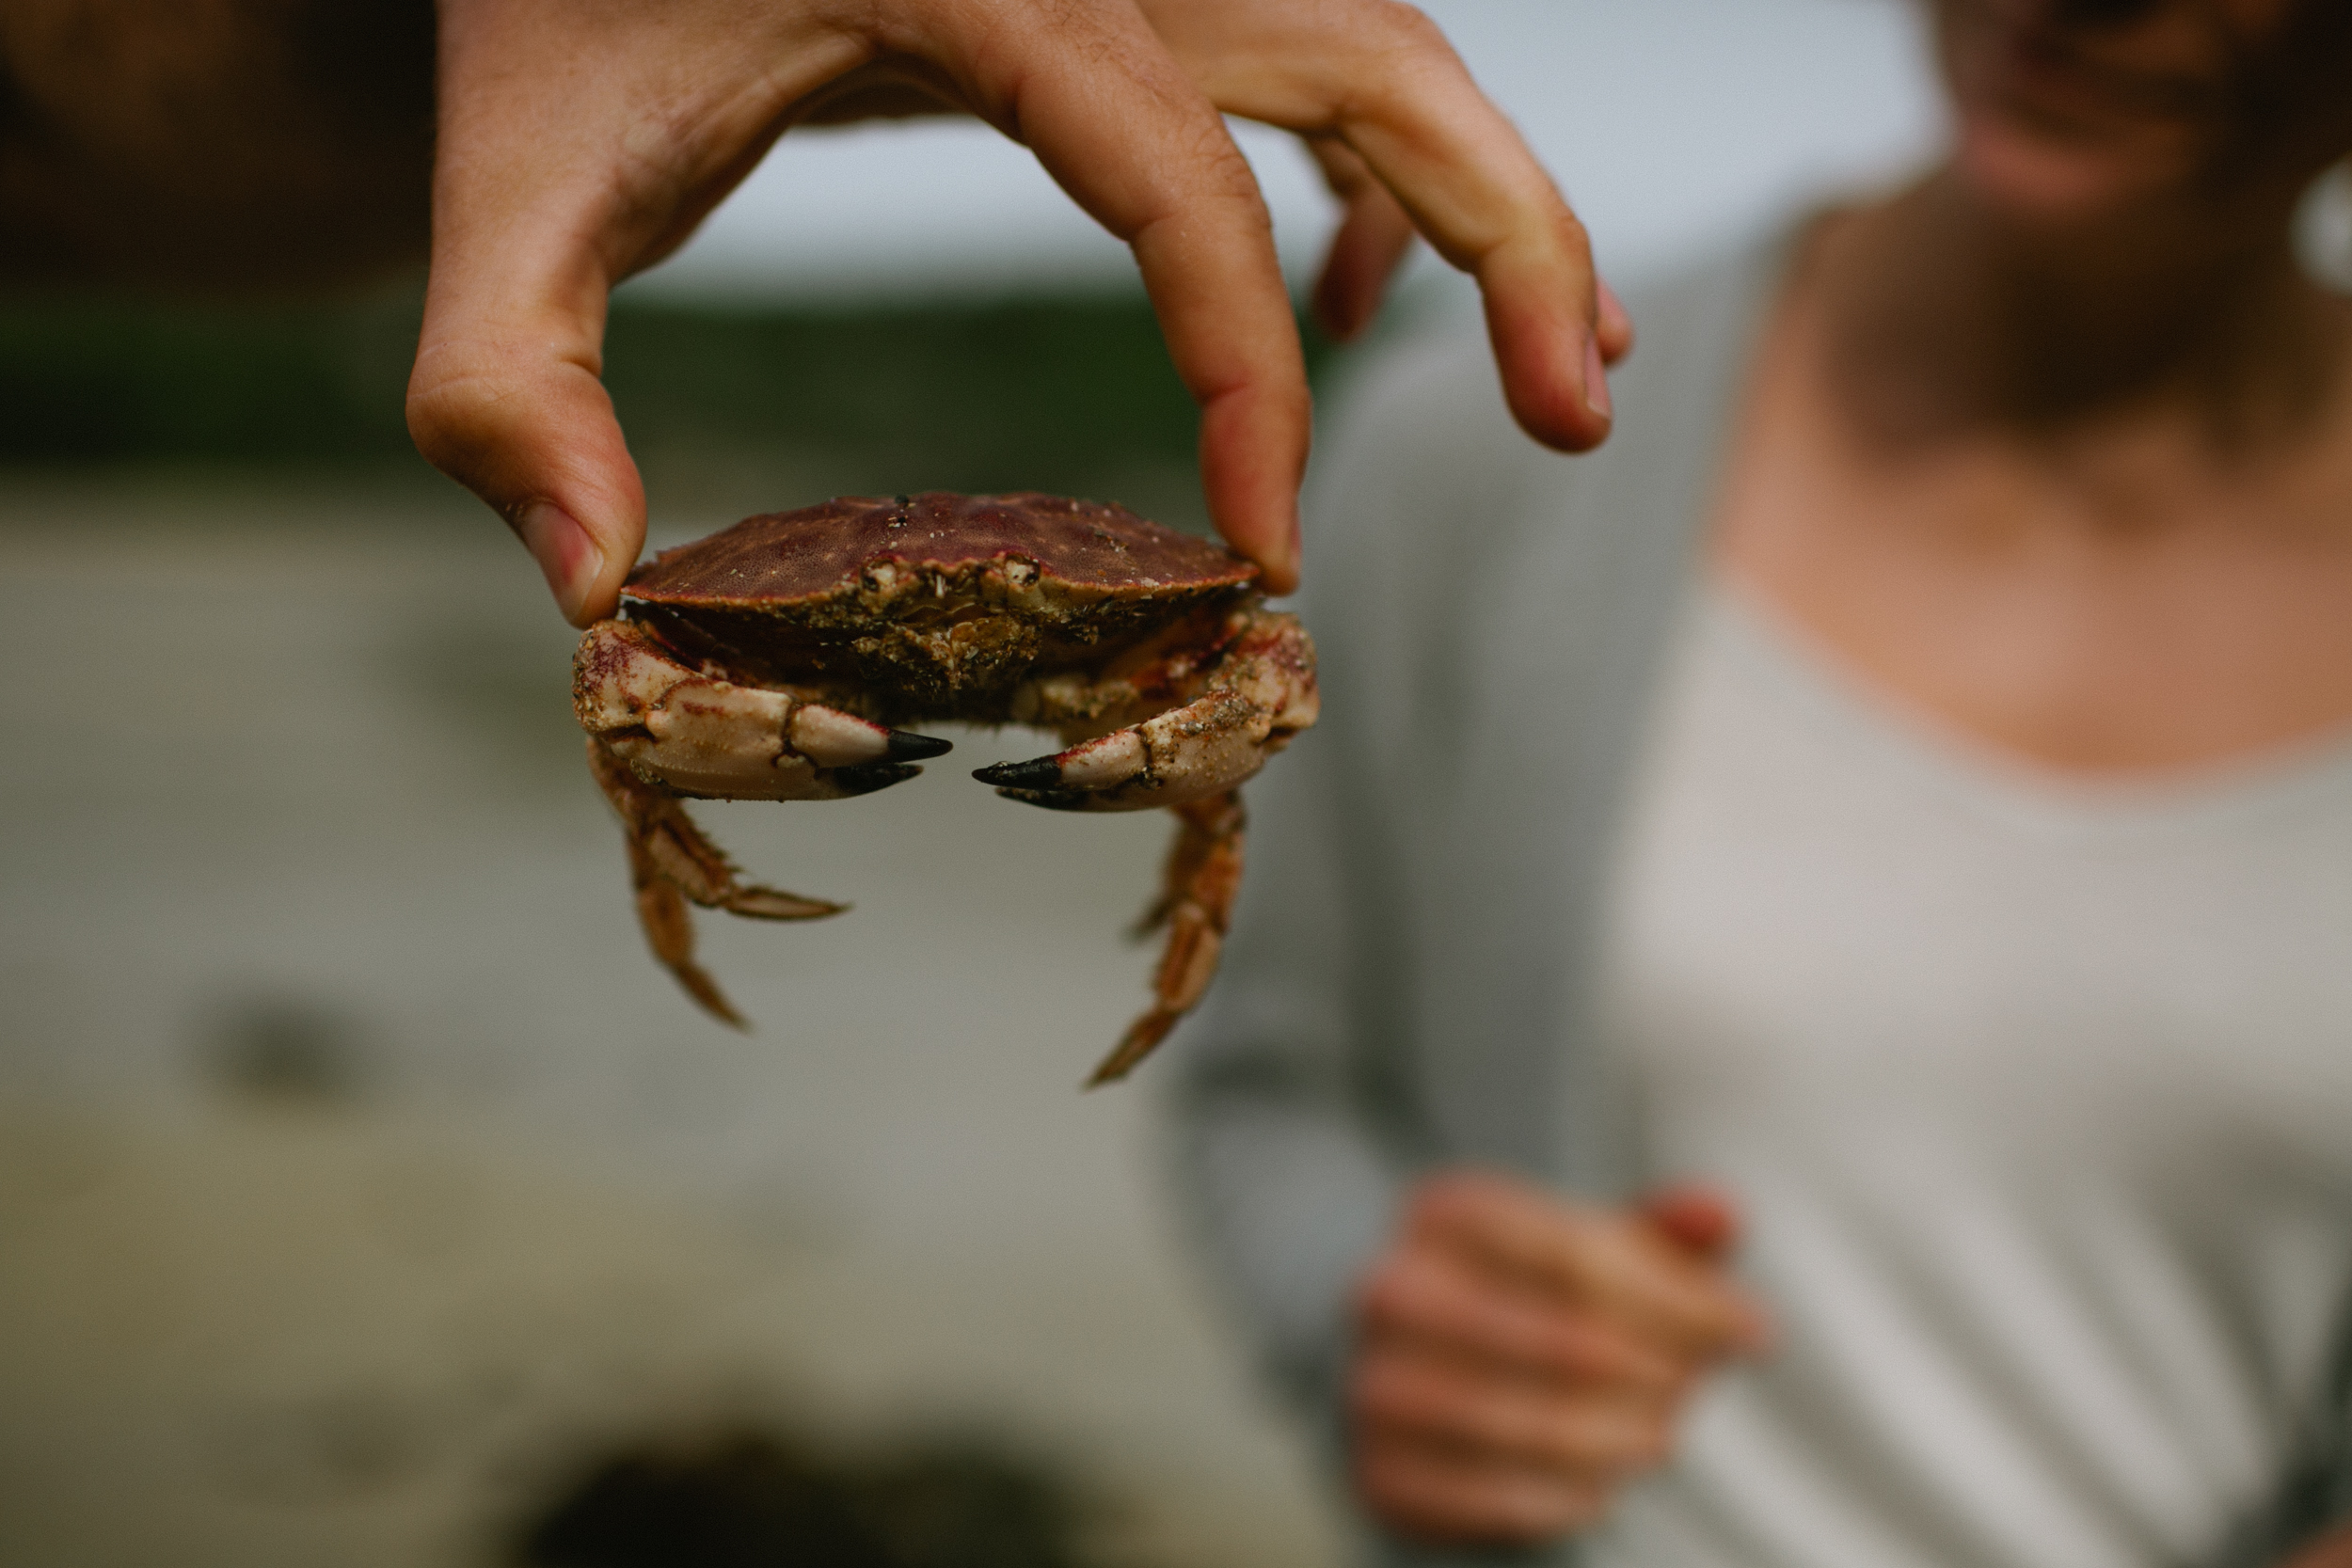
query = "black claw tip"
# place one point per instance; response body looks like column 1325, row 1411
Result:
column 1036, row 773
column 1052, row 799
column 869, row 777
column 906, row 746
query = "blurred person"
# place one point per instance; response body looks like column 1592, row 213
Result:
column 568, row 144
column 1797, row 1010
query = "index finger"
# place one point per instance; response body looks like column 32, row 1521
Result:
column 1595, row 1259
column 1381, row 77
column 1127, row 134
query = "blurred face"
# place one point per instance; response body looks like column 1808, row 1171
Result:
column 2077, row 108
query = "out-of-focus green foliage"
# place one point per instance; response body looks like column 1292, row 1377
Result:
column 85, row 382
column 760, row 405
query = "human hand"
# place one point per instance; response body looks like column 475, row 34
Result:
column 2330, row 1551
column 582, row 140
column 1520, row 1358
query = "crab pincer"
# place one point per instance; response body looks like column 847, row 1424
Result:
column 775, row 660
column 1251, row 687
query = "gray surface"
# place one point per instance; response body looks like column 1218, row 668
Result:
column 294, row 804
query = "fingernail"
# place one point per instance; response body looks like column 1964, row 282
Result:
column 570, row 559
column 1612, row 308
column 1596, row 379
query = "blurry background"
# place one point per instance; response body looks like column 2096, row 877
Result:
column 364, row 1188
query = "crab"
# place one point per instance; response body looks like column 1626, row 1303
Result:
column 776, row 660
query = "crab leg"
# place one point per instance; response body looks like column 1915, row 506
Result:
column 1248, row 697
column 659, row 729
column 1202, row 874
column 669, row 926
column 670, row 862
column 1256, row 696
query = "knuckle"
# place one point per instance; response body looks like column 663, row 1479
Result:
column 465, row 398
column 1409, row 27
column 452, row 418
column 1572, row 230
column 1207, row 149
column 1396, row 53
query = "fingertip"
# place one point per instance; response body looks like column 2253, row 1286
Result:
column 572, row 561
column 1614, row 327
column 1551, row 378
column 1596, row 382
column 1539, row 320
column 1342, row 304
column 1696, row 1217
column 1339, row 310
column 616, row 529
column 1275, row 555
column 1253, row 454
column 1281, row 578
column 1330, row 306
column 1370, row 243
column 535, row 438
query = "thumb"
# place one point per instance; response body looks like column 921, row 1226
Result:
column 505, row 400
column 1700, row 1220
column 529, row 231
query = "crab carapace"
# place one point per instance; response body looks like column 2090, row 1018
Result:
column 779, row 658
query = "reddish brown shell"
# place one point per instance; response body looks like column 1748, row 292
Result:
column 777, row 558
column 934, row 606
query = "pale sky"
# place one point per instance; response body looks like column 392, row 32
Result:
column 1667, row 121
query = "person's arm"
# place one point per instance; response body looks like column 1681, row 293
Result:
column 2335, row 1551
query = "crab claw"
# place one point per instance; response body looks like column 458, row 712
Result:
column 906, row 746
column 1189, row 753
column 698, row 735
column 1259, row 692
column 851, row 782
column 845, row 746
column 1030, row 777
column 832, row 738
column 1102, row 766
